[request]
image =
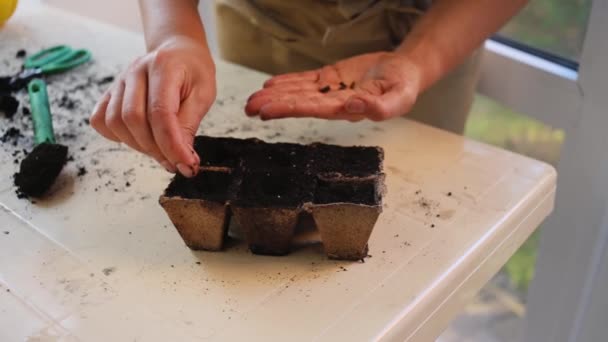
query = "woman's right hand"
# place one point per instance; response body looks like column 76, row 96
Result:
column 157, row 104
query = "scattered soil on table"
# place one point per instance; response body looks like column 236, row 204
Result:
column 11, row 136
column 72, row 96
column 105, row 80
column 40, row 168
column 81, row 171
column 108, row 270
column 67, row 103
column 325, row 89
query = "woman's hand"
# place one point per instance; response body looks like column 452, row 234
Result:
column 377, row 86
column 157, row 104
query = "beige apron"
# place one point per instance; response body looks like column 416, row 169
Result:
column 278, row 36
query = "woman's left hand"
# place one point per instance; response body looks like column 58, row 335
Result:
column 376, row 86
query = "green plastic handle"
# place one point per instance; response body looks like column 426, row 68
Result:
column 46, row 56
column 67, row 61
column 57, row 59
column 41, row 113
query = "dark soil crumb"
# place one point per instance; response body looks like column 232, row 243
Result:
column 198, row 262
column 81, row 171
column 67, row 103
column 6, row 232
column 5, row 84
column 108, row 270
column 424, row 203
column 40, row 168
column 352, row 85
column 172, row 266
column 8, row 105
column 25, row 111
column 343, row 86
column 432, row 226
column 449, row 194
column 325, row 89
column 437, row 215
column 127, row 184
column 86, row 121
column 21, row 53
column 105, row 80
column 11, row 135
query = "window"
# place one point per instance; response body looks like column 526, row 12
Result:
column 555, row 27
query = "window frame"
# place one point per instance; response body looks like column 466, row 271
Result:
column 568, row 291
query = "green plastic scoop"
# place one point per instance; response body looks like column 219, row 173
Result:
column 41, row 167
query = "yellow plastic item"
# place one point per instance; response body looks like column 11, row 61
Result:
column 7, row 7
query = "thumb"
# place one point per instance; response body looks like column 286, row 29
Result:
column 395, row 101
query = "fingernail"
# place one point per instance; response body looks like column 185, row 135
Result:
column 185, row 170
column 168, row 166
column 195, row 169
column 355, row 106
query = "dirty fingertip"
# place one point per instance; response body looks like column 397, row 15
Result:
column 185, row 170
column 168, row 166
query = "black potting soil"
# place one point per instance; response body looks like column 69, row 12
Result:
column 40, row 168
column 209, row 185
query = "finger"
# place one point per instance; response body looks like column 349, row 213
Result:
column 164, row 98
column 396, row 101
column 289, row 87
column 305, row 76
column 114, row 117
column 98, row 118
column 313, row 105
column 134, row 113
column 267, row 95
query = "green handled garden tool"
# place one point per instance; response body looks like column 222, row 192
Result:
column 41, row 167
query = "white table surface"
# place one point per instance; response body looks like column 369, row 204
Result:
column 100, row 261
